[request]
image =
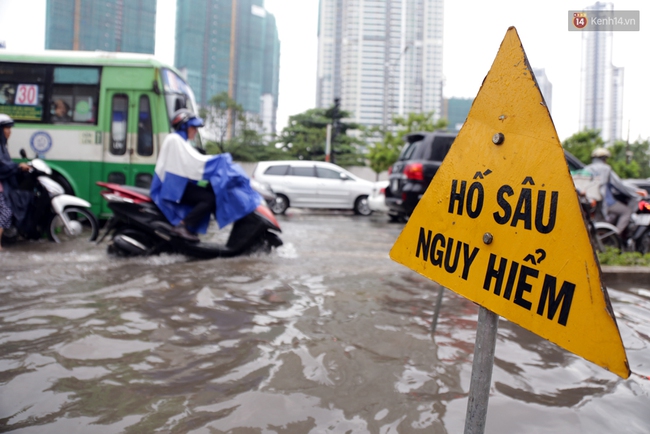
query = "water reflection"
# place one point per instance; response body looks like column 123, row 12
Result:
column 325, row 335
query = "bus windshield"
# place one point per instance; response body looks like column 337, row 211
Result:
column 178, row 94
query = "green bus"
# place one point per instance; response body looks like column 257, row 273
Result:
column 94, row 116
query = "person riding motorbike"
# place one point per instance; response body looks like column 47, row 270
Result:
column 619, row 201
column 13, row 202
column 196, row 195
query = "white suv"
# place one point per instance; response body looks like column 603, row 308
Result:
column 313, row 184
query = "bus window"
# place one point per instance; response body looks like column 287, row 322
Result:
column 119, row 116
column 145, row 130
column 74, row 95
column 60, row 109
column 117, row 178
column 21, row 91
column 143, row 180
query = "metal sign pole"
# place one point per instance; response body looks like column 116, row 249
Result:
column 479, row 388
column 436, row 312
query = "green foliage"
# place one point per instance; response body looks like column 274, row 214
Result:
column 628, row 160
column 583, row 143
column 613, row 256
column 304, row 138
column 388, row 143
column 246, row 144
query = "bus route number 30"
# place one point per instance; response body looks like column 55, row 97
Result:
column 27, row 94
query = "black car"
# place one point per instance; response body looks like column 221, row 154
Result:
column 411, row 174
column 418, row 162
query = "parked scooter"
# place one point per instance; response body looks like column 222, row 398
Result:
column 59, row 216
column 139, row 228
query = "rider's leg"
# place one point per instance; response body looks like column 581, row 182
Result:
column 203, row 200
column 622, row 214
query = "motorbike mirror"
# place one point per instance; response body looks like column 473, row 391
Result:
column 23, row 153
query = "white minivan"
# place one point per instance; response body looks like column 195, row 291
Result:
column 313, row 184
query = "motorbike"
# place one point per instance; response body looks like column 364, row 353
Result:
column 52, row 213
column 138, row 228
column 635, row 238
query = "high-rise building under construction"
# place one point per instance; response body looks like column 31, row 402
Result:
column 230, row 46
column 106, row 25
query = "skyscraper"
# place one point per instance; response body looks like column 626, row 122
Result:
column 381, row 57
column 107, row 25
column 601, row 83
column 545, row 86
column 455, row 110
column 230, row 46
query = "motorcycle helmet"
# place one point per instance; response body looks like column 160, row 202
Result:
column 6, row 121
column 183, row 118
column 600, row 153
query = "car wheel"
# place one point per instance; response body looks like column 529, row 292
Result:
column 396, row 218
column 361, row 206
column 280, row 205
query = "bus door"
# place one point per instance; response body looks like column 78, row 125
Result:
column 130, row 144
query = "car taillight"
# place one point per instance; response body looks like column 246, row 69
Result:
column 382, row 190
column 390, row 170
column 414, row 171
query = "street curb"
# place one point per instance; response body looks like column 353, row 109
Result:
column 613, row 275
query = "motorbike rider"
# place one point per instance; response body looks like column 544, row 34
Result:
column 201, row 199
column 619, row 201
column 13, row 202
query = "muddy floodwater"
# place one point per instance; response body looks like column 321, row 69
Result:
column 324, row 335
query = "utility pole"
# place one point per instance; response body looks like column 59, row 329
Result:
column 336, row 125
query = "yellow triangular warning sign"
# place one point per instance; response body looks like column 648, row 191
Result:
column 501, row 223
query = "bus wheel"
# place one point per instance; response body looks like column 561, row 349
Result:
column 64, row 183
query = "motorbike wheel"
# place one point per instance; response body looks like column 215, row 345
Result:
column 609, row 238
column 643, row 245
column 130, row 242
column 84, row 226
column 280, row 205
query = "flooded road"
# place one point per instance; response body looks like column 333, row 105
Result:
column 324, row 335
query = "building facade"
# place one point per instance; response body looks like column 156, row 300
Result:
column 381, row 58
column 545, row 86
column 455, row 110
column 601, row 91
column 230, row 46
column 106, row 25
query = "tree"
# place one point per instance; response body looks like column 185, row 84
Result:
column 217, row 114
column 247, row 143
column 628, row 160
column 382, row 154
column 583, row 143
column 304, row 138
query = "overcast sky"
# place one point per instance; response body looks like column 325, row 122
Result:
column 473, row 31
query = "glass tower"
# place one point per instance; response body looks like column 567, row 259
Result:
column 230, row 46
column 380, row 57
column 601, row 83
column 106, row 25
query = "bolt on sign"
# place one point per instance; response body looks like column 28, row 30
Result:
column 501, row 225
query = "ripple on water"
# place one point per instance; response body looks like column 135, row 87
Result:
column 98, row 347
